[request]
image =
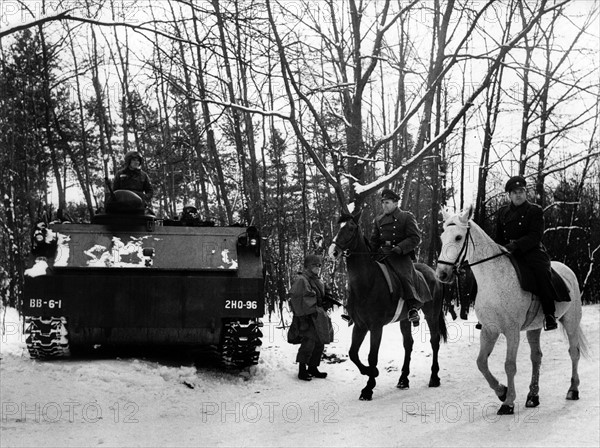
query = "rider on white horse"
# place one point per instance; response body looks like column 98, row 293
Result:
column 519, row 228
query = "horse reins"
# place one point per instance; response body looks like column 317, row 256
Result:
column 457, row 265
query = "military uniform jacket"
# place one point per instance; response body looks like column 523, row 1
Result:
column 306, row 301
column 307, row 294
column 136, row 181
column 399, row 228
column 523, row 225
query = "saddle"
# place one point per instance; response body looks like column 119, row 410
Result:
column 395, row 284
column 529, row 283
column 386, row 274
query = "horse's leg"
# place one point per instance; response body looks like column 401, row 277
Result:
column 571, row 323
column 575, row 353
column 358, row 336
column 533, row 337
column 407, row 341
column 487, row 340
column 367, row 392
column 434, row 380
column 510, row 367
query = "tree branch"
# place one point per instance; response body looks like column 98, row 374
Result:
column 364, row 190
column 65, row 15
column 574, row 162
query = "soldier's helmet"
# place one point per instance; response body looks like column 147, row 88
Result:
column 133, row 155
column 311, row 260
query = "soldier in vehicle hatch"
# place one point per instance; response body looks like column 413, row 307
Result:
column 133, row 178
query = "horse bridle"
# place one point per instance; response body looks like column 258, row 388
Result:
column 457, row 266
column 347, row 251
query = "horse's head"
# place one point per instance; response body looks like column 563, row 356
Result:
column 346, row 236
column 454, row 237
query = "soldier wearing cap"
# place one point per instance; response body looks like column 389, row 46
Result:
column 519, row 228
column 395, row 236
column 307, row 294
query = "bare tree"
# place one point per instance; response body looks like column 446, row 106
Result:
column 351, row 87
column 493, row 103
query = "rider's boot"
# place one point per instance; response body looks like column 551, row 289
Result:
column 549, row 319
column 413, row 311
column 550, row 322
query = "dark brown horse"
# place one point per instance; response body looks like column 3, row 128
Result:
column 370, row 305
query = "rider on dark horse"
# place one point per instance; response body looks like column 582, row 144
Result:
column 519, row 228
column 394, row 237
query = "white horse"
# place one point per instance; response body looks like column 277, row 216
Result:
column 502, row 306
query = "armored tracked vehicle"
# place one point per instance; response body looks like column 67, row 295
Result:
column 130, row 279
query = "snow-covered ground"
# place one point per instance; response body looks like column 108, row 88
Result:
column 170, row 402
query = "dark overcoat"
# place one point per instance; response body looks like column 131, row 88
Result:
column 306, row 300
column 399, row 230
column 396, row 236
column 523, row 226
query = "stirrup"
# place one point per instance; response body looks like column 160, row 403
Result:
column 347, row 319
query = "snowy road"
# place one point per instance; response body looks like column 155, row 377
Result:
column 167, row 402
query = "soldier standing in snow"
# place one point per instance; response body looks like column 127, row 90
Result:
column 307, row 294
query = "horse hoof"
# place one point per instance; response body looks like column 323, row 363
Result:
column 573, row 395
column 506, row 410
column 366, row 396
column 434, row 382
column 504, row 392
column 402, row 383
column 533, row 401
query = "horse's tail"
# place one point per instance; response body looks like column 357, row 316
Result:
column 442, row 327
column 570, row 279
column 440, row 290
column 584, row 345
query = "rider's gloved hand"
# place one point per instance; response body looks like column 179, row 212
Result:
column 511, row 247
column 386, row 250
column 397, row 250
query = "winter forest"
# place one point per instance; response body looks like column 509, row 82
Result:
column 284, row 113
